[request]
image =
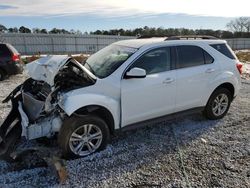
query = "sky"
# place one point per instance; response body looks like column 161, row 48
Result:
column 90, row 15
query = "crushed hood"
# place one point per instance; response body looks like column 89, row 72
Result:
column 46, row 68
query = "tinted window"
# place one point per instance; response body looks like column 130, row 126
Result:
column 208, row 58
column 224, row 49
column 4, row 51
column 190, row 56
column 155, row 61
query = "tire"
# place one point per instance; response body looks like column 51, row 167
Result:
column 215, row 111
column 2, row 75
column 69, row 142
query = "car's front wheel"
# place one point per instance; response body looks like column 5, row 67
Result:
column 218, row 104
column 83, row 135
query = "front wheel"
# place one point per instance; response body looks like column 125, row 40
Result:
column 83, row 135
column 218, row 104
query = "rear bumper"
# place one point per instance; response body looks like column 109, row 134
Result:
column 13, row 68
column 17, row 68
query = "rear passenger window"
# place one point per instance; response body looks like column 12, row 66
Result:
column 154, row 61
column 4, row 51
column 189, row 56
column 224, row 49
column 208, row 58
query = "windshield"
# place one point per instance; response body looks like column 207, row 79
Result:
column 106, row 61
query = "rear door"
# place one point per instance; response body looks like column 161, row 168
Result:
column 154, row 95
column 195, row 68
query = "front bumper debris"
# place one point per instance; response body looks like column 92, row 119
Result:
column 16, row 125
column 50, row 158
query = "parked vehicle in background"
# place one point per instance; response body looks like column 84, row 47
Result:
column 123, row 84
column 10, row 62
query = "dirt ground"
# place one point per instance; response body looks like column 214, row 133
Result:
column 186, row 152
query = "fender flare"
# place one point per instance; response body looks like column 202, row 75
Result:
column 225, row 78
column 75, row 102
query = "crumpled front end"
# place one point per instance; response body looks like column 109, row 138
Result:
column 35, row 111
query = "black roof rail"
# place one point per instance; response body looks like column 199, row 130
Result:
column 187, row 37
column 150, row 36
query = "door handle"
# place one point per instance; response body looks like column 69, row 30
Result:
column 209, row 70
column 168, row 80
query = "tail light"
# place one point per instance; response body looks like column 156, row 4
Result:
column 239, row 67
column 16, row 57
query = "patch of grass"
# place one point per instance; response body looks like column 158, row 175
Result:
column 243, row 56
column 30, row 59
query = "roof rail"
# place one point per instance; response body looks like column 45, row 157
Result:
column 150, row 36
column 188, row 37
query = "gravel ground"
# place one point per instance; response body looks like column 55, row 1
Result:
column 186, row 152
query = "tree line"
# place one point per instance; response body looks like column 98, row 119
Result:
column 24, row 29
column 158, row 32
column 239, row 27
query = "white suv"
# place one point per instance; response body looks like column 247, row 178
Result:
column 125, row 83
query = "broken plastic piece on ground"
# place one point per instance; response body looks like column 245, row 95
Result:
column 58, row 166
column 55, row 163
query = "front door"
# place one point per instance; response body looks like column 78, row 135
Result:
column 152, row 96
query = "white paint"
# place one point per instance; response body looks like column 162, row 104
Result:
column 158, row 94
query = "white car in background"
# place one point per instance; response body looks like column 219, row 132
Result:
column 125, row 83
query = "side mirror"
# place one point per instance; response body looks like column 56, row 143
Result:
column 135, row 73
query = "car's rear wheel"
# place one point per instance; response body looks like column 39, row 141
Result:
column 218, row 104
column 82, row 136
column 2, row 75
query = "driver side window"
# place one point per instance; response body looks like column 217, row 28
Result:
column 154, row 61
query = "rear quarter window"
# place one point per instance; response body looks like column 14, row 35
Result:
column 224, row 49
column 208, row 58
column 4, row 50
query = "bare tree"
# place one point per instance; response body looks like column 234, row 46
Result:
column 241, row 24
column 247, row 25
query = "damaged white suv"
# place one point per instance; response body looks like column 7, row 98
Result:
column 125, row 83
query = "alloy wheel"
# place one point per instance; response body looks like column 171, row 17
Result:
column 85, row 140
column 220, row 104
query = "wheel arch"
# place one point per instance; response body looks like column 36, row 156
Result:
column 90, row 102
column 226, row 85
column 99, row 111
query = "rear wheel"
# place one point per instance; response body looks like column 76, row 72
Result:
column 82, row 136
column 2, row 75
column 218, row 104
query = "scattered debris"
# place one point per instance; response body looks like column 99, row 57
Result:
column 203, row 140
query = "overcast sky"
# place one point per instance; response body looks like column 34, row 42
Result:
column 89, row 15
